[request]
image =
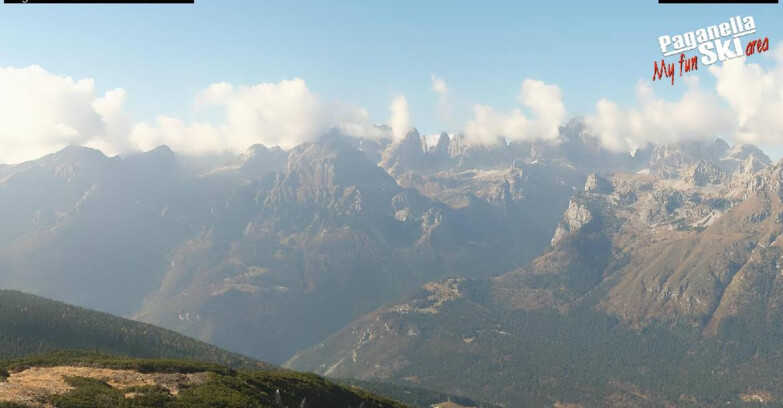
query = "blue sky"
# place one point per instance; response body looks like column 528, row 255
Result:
column 362, row 52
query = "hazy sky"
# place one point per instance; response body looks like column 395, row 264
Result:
column 442, row 57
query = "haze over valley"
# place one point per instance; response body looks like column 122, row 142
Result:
column 406, row 204
column 354, row 257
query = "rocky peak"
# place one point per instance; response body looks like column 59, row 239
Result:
column 576, row 216
column 457, row 145
column 323, row 170
column 442, row 147
column 575, row 128
column 413, row 141
column 753, row 164
column 71, row 164
column 161, row 155
column 161, row 151
column 154, row 166
column 742, row 158
column 75, row 155
column 718, row 147
column 741, row 151
column 667, row 160
column 678, row 160
column 598, row 184
column 258, row 160
column 253, row 151
column 407, row 154
column 704, row 173
column 582, row 149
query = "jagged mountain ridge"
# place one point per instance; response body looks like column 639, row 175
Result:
column 683, row 270
column 275, row 237
column 333, row 231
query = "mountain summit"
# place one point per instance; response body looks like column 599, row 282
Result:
column 368, row 258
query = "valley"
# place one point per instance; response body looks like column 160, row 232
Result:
column 404, row 263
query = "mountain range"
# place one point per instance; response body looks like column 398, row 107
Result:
column 551, row 273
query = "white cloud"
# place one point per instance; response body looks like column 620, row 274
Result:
column 41, row 112
column 444, row 109
column 354, row 121
column 439, row 85
column 283, row 114
column 755, row 95
column 118, row 123
column 745, row 106
column 544, row 101
column 400, row 121
column 489, row 127
column 195, row 138
column 751, row 114
column 697, row 115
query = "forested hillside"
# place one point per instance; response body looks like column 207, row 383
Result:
column 32, row 325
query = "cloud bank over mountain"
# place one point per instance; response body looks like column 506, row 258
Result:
column 283, row 114
column 544, row 101
column 745, row 106
column 697, row 115
column 41, row 112
column 755, row 95
column 442, row 90
column 400, row 121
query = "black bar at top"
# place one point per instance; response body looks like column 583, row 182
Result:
column 98, row 1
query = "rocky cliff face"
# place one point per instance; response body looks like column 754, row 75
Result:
column 309, row 240
column 689, row 242
column 335, row 232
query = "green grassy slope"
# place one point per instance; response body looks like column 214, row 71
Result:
column 220, row 387
column 34, row 325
